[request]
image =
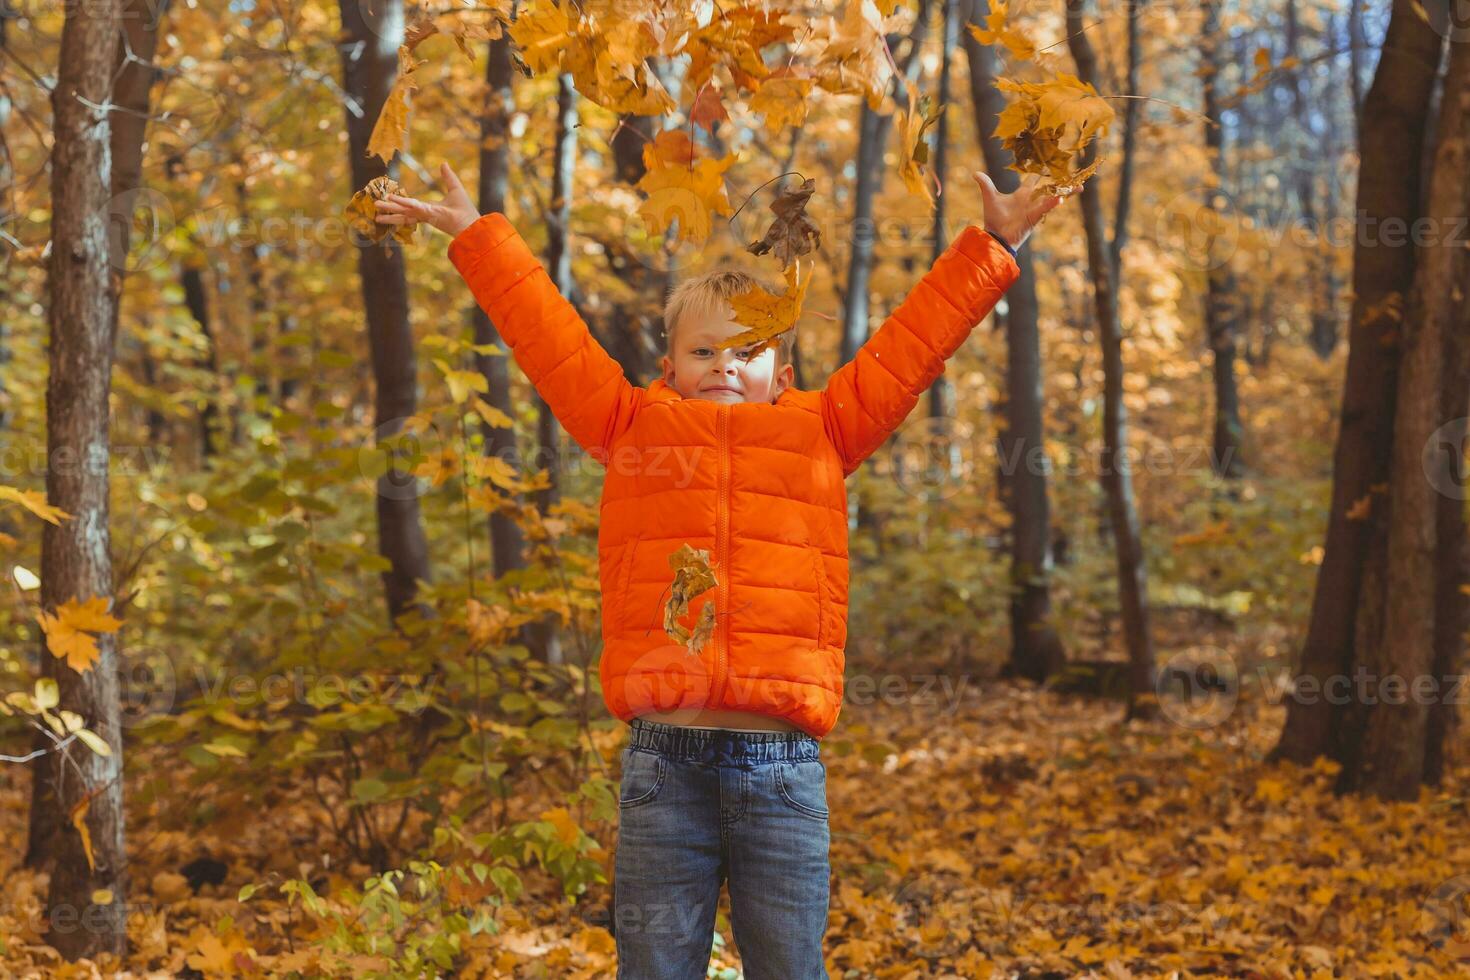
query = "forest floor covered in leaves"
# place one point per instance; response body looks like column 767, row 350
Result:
column 1014, row 832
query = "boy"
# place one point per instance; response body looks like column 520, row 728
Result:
column 721, row 778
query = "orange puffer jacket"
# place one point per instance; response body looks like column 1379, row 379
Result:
column 760, row 486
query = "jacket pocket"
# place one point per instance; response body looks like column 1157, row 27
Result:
column 820, row 566
column 618, row 601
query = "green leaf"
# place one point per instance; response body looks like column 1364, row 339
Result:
column 369, row 789
column 507, row 881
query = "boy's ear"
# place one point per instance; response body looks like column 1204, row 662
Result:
column 784, row 378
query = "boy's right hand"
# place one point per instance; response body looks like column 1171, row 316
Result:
column 452, row 215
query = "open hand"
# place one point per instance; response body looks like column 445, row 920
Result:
column 1012, row 216
column 452, row 215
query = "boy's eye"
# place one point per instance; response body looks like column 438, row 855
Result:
column 743, row 352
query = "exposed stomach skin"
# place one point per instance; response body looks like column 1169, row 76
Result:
column 721, row 718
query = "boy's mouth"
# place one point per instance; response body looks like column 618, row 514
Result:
column 721, row 388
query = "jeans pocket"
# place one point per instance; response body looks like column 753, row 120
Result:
column 803, row 787
column 643, row 777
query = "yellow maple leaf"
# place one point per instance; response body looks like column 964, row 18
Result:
column 218, row 955
column 390, row 132
column 542, row 34
column 35, row 503
column 767, row 315
column 782, row 101
column 856, row 59
column 68, row 632
column 1048, row 126
column 682, row 184
column 998, row 31
column 734, row 41
column 913, row 151
column 617, row 78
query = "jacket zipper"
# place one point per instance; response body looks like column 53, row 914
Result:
column 722, row 559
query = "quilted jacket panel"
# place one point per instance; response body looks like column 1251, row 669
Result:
column 761, row 486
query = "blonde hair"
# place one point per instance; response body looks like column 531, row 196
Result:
column 708, row 295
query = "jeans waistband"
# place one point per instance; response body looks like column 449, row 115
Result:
column 721, row 747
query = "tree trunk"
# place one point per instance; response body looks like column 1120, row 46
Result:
column 634, row 336
column 1348, row 587
column 132, row 92
column 1036, row 650
column 196, row 300
column 76, row 561
column 856, row 301
column 1116, row 477
column 372, row 32
column 546, row 643
column 872, row 139
column 1220, row 319
column 507, row 543
column 1396, row 738
column 941, row 392
column 1452, row 555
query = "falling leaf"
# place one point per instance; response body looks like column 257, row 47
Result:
column 782, row 100
column 464, row 33
column 69, row 631
column 998, row 31
column 913, row 149
column 708, row 108
column 390, row 132
column 692, row 576
column 420, row 29
column 765, row 314
column 792, row 233
column 856, row 59
column 35, row 503
column 682, row 184
column 541, row 35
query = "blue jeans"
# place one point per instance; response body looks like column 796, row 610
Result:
column 698, row 807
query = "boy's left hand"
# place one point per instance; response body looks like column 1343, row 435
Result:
column 1012, row 216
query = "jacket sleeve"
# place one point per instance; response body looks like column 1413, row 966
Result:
column 870, row 395
column 583, row 385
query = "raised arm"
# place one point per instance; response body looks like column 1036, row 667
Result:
column 870, row 395
column 584, row 386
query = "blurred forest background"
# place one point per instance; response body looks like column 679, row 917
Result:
column 299, row 612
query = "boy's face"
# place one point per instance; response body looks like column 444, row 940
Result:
column 695, row 368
